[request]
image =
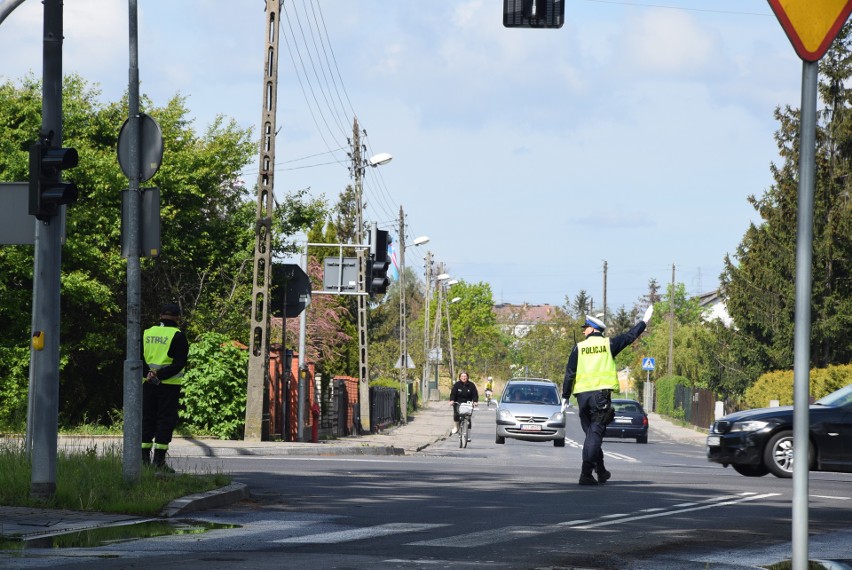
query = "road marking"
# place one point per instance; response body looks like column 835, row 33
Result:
column 831, row 498
column 677, row 512
column 357, row 533
column 484, row 537
column 493, row 536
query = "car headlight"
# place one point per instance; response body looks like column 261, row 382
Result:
column 505, row 416
column 753, row 425
column 557, row 418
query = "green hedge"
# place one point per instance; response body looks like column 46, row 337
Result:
column 778, row 385
column 665, row 393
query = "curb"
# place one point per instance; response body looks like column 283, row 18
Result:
column 227, row 495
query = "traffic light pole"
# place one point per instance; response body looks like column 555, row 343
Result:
column 44, row 355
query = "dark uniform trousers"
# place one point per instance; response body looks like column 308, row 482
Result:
column 159, row 412
column 595, row 411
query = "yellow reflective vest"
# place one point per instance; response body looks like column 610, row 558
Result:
column 156, row 342
column 595, row 366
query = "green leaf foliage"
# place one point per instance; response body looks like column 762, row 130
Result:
column 665, row 394
column 206, row 258
column 213, row 397
column 778, row 385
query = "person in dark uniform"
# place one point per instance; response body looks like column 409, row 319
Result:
column 164, row 354
column 463, row 391
column 591, row 376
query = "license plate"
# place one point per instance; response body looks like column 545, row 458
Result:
column 713, row 440
column 530, row 427
column 623, row 420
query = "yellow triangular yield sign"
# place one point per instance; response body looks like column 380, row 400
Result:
column 811, row 25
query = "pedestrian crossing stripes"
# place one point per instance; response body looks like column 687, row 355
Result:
column 503, row 534
column 357, row 533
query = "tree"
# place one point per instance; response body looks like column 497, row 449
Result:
column 759, row 279
column 207, row 235
column 580, row 306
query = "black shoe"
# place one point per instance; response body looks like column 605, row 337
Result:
column 603, row 476
column 587, row 480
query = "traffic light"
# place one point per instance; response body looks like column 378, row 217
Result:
column 378, row 262
column 47, row 191
column 533, row 13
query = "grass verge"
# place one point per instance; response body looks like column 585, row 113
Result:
column 92, row 480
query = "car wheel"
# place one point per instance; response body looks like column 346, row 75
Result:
column 778, row 454
column 559, row 442
column 751, row 470
column 500, row 440
column 642, row 439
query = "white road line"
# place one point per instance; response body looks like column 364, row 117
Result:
column 493, row 536
column 831, row 498
column 484, row 537
column 677, row 512
column 357, row 533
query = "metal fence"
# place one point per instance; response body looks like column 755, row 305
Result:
column 384, row 407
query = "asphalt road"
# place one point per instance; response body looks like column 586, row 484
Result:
column 516, row 505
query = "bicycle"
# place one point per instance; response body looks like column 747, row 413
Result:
column 465, row 413
column 488, row 399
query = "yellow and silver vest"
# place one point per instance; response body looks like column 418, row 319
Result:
column 595, row 366
column 155, row 344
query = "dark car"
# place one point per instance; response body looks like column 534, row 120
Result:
column 629, row 421
column 757, row 442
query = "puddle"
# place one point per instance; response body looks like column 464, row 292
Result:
column 103, row 536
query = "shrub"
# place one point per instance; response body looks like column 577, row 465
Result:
column 214, row 387
column 14, row 387
column 665, row 392
column 778, row 385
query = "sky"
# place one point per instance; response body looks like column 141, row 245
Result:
column 629, row 139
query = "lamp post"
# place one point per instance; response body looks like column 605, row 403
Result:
column 363, row 364
column 450, row 334
column 403, row 326
column 424, row 386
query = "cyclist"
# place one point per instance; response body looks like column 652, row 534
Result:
column 489, row 389
column 463, row 391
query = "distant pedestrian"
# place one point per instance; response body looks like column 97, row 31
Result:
column 463, row 391
column 164, row 352
column 591, row 376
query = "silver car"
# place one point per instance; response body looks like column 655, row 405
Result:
column 531, row 409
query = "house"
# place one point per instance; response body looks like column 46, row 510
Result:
column 518, row 320
column 714, row 307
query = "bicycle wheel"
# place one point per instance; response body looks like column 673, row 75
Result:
column 463, row 432
column 466, row 437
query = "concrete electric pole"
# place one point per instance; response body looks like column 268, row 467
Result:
column 258, row 369
column 363, row 364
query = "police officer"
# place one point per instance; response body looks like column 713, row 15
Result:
column 164, row 352
column 463, row 391
column 590, row 374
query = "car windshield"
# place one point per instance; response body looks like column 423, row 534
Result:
column 841, row 397
column 532, row 395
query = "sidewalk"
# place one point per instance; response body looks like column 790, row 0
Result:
column 424, row 428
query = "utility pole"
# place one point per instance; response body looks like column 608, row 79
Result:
column 363, row 365
column 424, row 394
column 44, row 362
column 671, row 323
column 403, row 332
column 258, row 369
column 604, row 289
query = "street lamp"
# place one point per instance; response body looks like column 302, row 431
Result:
column 403, row 326
column 363, row 364
column 450, row 334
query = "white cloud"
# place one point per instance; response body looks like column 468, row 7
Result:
column 667, row 41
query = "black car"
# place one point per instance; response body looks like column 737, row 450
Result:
column 629, row 421
column 757, row 442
